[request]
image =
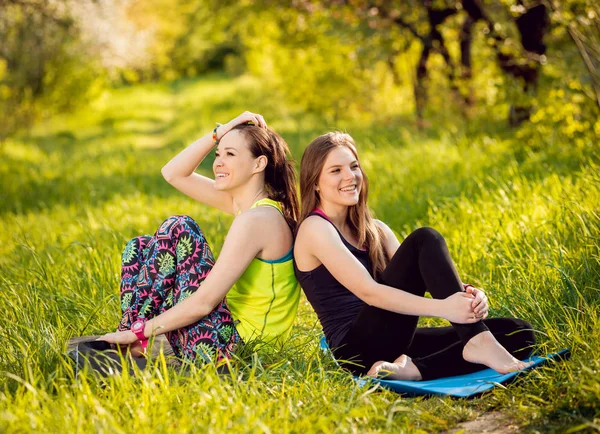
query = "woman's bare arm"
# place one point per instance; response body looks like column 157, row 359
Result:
column 179, row 172
column 319, row 239
column 242, row 244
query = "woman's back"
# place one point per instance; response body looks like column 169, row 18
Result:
column 334, row 304
column 184, row 288
column 265, row 297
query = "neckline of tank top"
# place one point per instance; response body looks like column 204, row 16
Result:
column 321, row 213
column 266, row 201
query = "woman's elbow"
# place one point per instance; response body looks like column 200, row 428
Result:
column 199, row 312
column 203, row 308
column 167, row 175
column 369, row 295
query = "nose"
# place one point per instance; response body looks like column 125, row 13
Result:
column 349, row 174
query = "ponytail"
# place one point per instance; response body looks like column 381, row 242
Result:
column 280, row 173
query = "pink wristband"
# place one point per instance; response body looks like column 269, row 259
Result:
column 138, row 329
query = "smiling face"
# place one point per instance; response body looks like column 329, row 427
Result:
column 341, row 178
column 234, row 164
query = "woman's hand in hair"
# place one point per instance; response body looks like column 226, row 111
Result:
column 457, row 308
column 480, row 302
column 244, row 118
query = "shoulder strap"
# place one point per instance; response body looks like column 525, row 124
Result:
column 320, row 213
column 268, row 202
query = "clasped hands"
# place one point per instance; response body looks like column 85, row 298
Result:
column 466, row 307
column 480, row 302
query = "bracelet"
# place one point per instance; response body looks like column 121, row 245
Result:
column 214, row 134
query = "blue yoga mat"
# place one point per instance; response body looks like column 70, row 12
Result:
column 461, row 386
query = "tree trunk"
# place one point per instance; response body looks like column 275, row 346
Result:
column 532, row 26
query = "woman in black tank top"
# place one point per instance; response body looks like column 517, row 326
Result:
column 368, row 289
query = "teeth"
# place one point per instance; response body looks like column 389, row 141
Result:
column 221, row 175
column 348, row 188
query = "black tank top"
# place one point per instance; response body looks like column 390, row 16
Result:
column 335, row 305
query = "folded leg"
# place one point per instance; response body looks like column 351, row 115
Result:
column 438, row 351
column 174, row 263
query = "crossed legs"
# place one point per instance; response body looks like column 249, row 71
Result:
column 383, row 340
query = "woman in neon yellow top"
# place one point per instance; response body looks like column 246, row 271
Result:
column 171, row 283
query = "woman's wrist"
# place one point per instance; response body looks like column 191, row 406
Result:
column 437, row 308
column 150, row 330
column 221, row 130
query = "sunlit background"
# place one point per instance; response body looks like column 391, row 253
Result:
column 479, row 118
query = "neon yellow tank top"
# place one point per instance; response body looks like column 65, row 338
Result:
column 265, row 298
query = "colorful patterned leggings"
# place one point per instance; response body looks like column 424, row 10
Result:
column 160, row 271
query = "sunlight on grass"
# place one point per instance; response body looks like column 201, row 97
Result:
column 523, row 225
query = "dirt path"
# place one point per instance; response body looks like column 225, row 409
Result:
column 494, row 422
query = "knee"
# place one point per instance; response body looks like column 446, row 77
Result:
column 176, row 224
column 183, row 218
column 187, row 222
column 133, row 247
column 427, row 234
column 133, row 242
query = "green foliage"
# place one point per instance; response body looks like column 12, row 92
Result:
column 188, row 38
column 568, row 98
column 45, row 71
column 521, row 222
column 341, row 61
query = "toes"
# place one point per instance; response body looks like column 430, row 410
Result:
column 525, row 365
column 375, row 368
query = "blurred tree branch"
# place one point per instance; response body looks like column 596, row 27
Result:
column 581, row 19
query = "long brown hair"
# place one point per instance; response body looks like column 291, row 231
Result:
column 280, row 173
column 359, row 216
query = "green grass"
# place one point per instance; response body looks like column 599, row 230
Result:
column 521, row 223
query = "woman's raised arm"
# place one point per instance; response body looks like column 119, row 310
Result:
column 179, row 172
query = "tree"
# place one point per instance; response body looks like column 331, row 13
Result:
column 521, row 63
column 43, row 69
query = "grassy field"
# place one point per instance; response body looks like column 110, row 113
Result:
column 522, row 223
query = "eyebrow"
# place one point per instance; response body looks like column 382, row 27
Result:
column 225, row 149
column 340, row 165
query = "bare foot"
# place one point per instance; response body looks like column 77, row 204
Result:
column 402, row 368
column 486, row 350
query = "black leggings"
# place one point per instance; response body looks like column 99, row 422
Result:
column 422, row 263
